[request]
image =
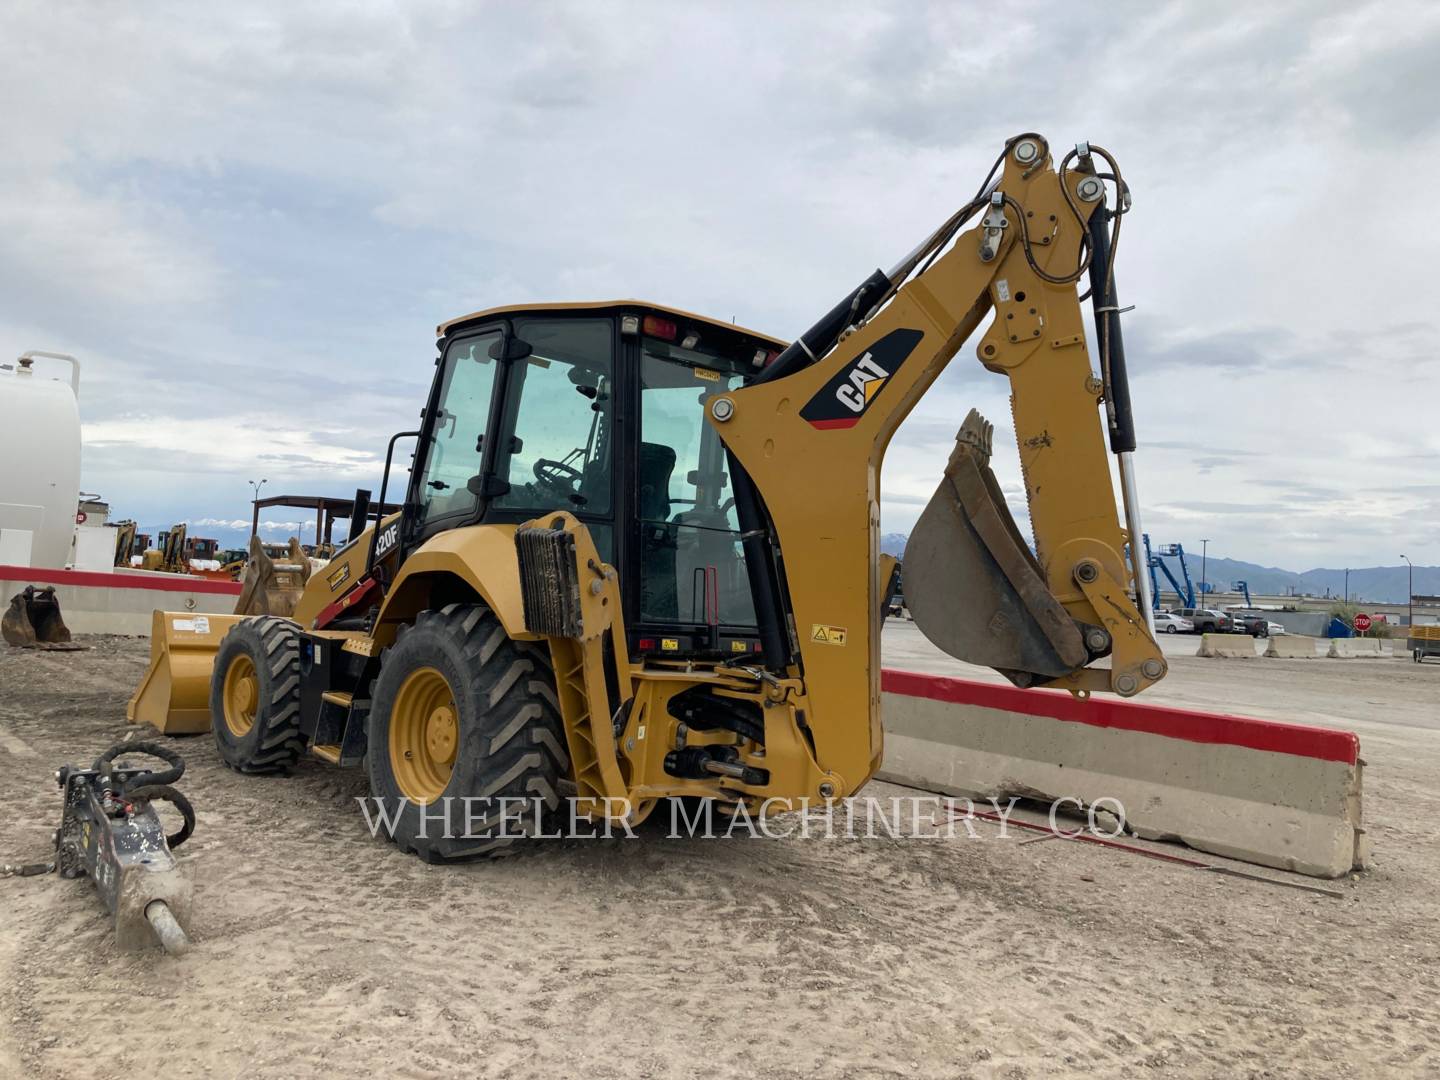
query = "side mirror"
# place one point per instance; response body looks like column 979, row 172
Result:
column 510, row 348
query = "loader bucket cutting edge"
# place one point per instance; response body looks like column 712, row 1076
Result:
column 971, row 582
column 33, row 619
column 174, row 695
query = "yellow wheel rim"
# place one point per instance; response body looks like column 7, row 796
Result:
column 424, row 732
column 242, row 693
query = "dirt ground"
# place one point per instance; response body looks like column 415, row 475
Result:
column 320, row 951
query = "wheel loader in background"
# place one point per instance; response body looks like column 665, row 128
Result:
column 638, row 552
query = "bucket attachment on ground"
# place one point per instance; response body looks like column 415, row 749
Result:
column 269, row 587
column 33, row 620
column 174, row 695
column 972, row 584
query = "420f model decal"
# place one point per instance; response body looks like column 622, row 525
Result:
column 843, row 400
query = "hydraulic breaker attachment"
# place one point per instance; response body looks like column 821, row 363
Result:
column 110, row 833
column 973, row 585
column 174, row 695
column 33, row 620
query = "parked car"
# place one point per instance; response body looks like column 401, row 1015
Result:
column 1167, row 622
column 1256, row 625
column 1205, row 620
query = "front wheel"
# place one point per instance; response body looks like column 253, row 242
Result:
column 466, row 746
column 255, row 696
column 1170, row 629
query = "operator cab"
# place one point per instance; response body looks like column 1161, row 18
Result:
column 599, row 409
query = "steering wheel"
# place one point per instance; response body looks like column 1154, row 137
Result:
column 556, row 474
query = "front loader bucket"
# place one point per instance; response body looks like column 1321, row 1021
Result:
column 174, row 695
column 33, row 619
column 971, row 582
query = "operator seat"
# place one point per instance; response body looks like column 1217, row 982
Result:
column 657, row 536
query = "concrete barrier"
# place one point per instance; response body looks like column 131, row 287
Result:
column 1354, row 648
column 121, row 602
column 1281, row 795
column 1292, row 646
column 1231, row 646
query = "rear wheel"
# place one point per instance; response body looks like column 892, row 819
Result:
column 1170, row 629
column 466, row 746
column 255, row 696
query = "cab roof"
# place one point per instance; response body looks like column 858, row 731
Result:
column 642, row 306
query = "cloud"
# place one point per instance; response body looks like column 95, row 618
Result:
column 247, row 221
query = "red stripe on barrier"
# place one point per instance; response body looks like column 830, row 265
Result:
column 1212, row 728
column 98, row 579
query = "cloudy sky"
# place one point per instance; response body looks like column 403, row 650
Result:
column 247, row 220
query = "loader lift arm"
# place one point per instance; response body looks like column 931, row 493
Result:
column 833, row 400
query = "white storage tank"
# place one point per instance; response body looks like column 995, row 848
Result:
column 39, row 459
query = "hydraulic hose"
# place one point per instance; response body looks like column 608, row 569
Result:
column 164, row 753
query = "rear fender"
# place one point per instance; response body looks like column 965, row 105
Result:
column 481, row 558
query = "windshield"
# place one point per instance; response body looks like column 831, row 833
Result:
column 457, row 437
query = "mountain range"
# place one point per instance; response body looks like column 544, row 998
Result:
column 1384, row 584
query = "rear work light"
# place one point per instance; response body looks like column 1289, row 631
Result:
column 661, row 328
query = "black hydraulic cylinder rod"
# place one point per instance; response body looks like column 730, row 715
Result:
column 821, row 337
column 763, row 576
column 359, row 513
column 1105, row 301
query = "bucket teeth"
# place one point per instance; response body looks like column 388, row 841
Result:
column 978, row 434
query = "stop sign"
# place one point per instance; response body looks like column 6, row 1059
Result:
column 1362, row 622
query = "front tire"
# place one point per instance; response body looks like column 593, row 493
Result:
column 255, row 696
column 1170, row 629
column 462, row 716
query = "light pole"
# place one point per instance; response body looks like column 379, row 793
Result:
column 256, row 485
column 1204, row 551
column 1411, row 591
column 1347, row 584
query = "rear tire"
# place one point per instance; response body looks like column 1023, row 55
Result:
column 461, row 711
column 255, row 696
column 1170, row 629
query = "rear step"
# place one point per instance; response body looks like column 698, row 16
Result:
column 327, row 752
column 343, row 698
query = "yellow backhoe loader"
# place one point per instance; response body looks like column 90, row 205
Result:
column 638, row 554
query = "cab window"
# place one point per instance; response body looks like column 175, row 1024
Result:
column 558, row 444
column 456, row 440
column 692, row 566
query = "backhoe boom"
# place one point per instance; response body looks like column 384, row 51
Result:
column 972, row 583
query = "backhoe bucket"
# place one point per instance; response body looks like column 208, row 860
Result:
column 269, row 587
column 971, row 582
column 174, row 695
column 33, row 619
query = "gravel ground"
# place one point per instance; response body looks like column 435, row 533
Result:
column 320, row 951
